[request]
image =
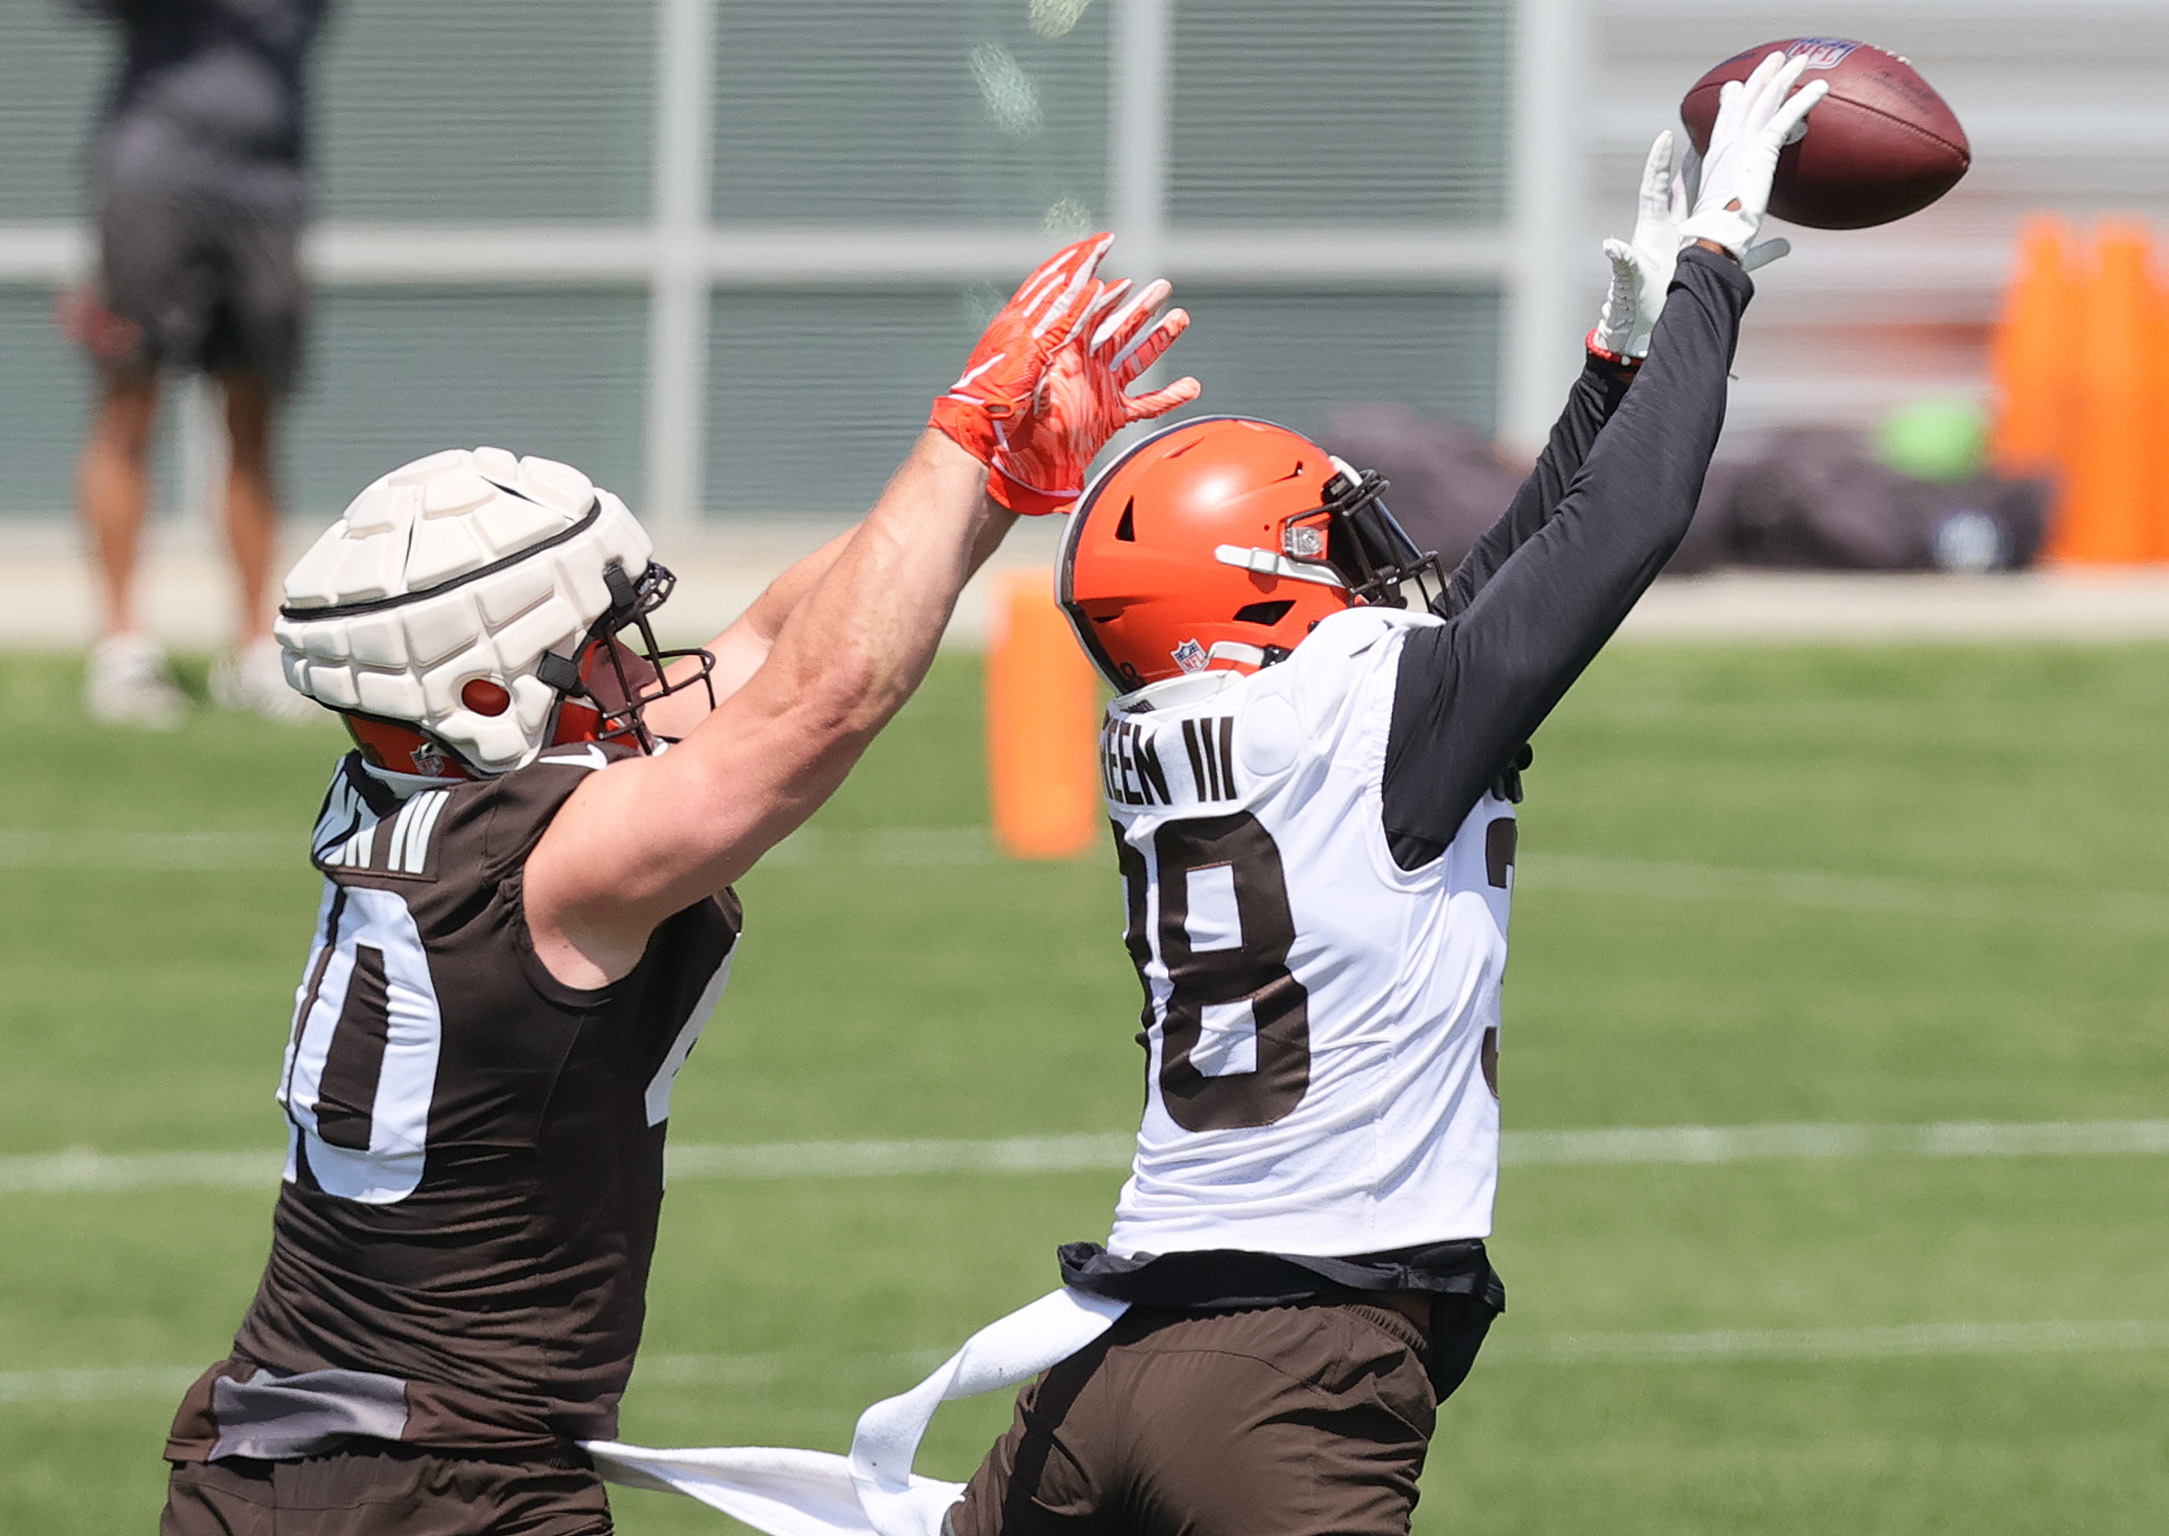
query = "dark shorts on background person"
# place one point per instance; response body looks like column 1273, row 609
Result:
column 1298, row 1420
column 378, row 1489
column 209, row 275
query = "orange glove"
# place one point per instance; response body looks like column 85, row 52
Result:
column 1006, row 367
column 1042, row 454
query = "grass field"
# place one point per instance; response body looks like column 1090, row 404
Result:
column 1841, row 887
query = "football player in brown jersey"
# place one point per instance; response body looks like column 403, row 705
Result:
column 527, row 916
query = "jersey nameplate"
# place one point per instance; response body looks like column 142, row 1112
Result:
column 1133, row 773
column 1211, row 745
column 1130, row 767
column 352, row 837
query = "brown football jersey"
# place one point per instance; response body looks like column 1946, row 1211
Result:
column 461, row 1244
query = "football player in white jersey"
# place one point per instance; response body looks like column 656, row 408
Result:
column 527, row 917
column 1312, row 784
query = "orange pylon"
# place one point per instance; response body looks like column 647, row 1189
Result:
column 1043, row 716
column 2034, row 358
column 2158, row 414
column 2109, row 504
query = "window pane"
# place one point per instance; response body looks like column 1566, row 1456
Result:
column 54, row 70
column 486, row 109
column 397, row 374
column 1361, row 109
column 813, row 397
column 45, row 384
column 1292, row 356
column 913, row 112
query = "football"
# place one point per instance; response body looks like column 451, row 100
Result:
column 1881, row 145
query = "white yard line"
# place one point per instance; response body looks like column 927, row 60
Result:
column 168, row 1381
column 1760, row 1143
column 1898, row 1342
column 881, row 1159
column 1646, row 880
column 82, row 1170
column 882, row 847
column 1888, row 1342
column 652, row 1371
column 21, row 849
column 98, row 1383
column 1906, row 1341
column 1960, row 901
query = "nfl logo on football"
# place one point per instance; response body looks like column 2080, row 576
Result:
column 1821, row 52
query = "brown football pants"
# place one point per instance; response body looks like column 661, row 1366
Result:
column 383, row 1489
column 1303, row 1420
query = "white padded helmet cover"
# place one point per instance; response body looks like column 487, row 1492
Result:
column 460, row 566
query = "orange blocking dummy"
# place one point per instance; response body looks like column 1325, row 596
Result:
column 1043, row 715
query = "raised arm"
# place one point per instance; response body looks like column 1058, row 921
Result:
column 746, row 643
column 649, row 836
column 1596, row 394
column 1641, row 274
column 1470, row 692
column 1473, row 690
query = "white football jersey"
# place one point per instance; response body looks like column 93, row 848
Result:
column 1321, row 1024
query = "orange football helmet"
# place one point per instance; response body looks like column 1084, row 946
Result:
column 1222, row 542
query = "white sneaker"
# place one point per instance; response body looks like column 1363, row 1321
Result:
column 127, row 682
column 253, row 679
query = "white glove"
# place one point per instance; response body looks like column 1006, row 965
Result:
column 1642, row 271
column 1755, row 120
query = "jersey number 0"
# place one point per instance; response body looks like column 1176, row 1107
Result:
column 1221, row 990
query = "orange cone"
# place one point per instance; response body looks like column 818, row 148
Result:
column 2035, row 356
column 2158, row 447
column 2109, row 506
column 1043, row 717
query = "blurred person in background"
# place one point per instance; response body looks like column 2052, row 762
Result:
column 200, row 182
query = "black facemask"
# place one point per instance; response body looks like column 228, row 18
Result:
column 631, row 602
column 1372, row 552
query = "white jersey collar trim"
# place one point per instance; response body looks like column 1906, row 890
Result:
column 1174, row 692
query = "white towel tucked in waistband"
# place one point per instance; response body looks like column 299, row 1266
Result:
column 873, row 1491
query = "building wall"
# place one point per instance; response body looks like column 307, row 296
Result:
column 722, row 251
column 508, row 223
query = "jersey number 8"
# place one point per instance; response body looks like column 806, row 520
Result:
column 1219, row 984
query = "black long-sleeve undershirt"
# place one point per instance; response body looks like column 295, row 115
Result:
column 1536, row 599
column 1546, row 587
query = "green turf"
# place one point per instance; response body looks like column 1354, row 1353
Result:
column 1855, row 885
